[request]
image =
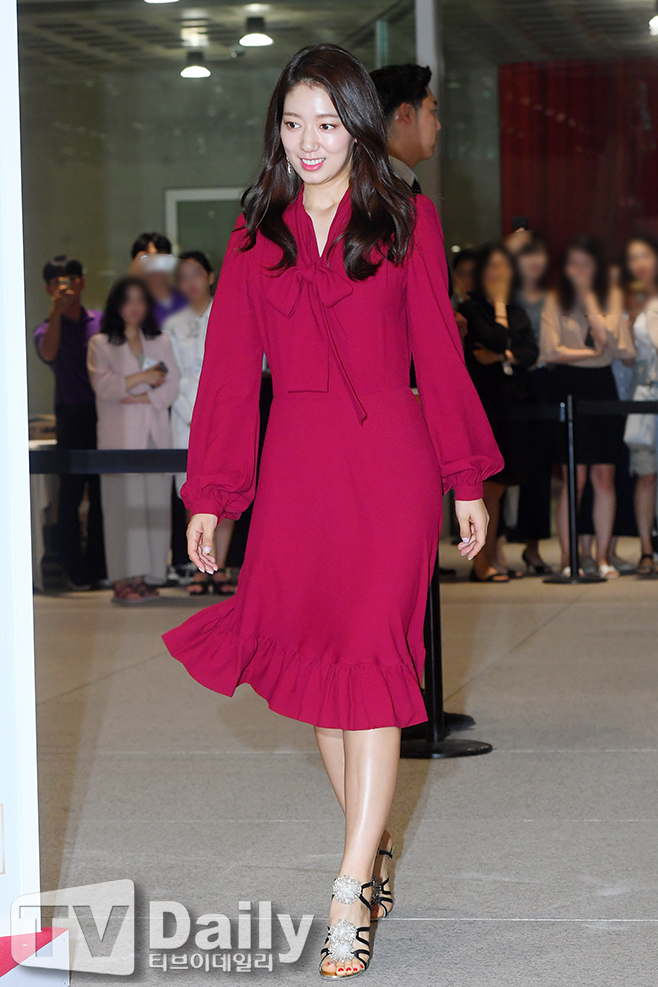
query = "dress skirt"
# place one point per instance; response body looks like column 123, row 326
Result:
column 598, row 438
column 327, row 623
column 137, row 523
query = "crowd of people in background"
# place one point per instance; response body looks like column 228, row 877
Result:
column 534, row 333
column 535, row 328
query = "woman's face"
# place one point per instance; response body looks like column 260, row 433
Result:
column 532, row 267
column 497, row 272
column 580, row 268
column 316, row 143
column 133, row 311
column 642, row 264
column 194, row 281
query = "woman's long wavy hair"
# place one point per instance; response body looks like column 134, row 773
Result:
column 383, row 214
column 112, row 323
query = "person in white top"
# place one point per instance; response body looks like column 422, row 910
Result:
column 641, row 270
column 186, row 330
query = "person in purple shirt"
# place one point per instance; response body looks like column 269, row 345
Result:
column 153, row 261
column 61, row 341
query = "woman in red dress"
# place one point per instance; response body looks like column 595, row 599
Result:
column 338, row 273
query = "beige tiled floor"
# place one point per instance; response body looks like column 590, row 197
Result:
column 534, row 865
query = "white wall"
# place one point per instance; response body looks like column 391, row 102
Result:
column 19, row 853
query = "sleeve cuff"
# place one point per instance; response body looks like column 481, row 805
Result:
column 204, row 507
column 470, row 491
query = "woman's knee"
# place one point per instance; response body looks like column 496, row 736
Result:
column 647, row 481
column 603, row 477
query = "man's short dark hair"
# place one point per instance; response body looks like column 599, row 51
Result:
column 161, row 243
column 468, row 253
column 199, row 257
column 398, row 84
column 62, row 267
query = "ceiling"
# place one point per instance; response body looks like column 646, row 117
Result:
column 132, row 33
column 129, row 34
column 500, row 31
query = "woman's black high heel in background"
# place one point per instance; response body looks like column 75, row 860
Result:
column 536, row 569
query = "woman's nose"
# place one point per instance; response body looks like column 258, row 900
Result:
column 309, row 142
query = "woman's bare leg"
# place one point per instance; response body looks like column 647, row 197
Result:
column 645, row 510
column 369, row 761
column 563, row 510
column 332, row 751
column 605, row 505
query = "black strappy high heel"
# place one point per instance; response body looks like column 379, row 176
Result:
column 343, row 936
column 381, row 890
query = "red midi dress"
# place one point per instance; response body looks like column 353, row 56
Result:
column 327, row 621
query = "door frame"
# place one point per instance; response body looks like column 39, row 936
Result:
column 173, row 196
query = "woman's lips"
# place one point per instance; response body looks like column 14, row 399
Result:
column 311, row 164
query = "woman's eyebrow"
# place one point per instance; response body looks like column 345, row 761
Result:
column 291, row 113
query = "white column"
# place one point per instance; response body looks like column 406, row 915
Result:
column 429, row 51
column 19, row 836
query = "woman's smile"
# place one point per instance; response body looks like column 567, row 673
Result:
column 311, row 164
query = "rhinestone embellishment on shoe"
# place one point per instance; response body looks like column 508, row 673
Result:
column 346, row 889
column 341, row 940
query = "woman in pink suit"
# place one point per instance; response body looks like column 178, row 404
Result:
column 133, row 372
column 339, row 275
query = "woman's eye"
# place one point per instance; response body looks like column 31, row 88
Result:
column 290, row 124
column 328, row 126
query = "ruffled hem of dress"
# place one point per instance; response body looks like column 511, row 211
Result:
column 334, row 695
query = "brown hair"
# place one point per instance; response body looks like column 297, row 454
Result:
column 383, row 212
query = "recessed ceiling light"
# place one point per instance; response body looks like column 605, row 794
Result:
column 161, row 1
column 255, row 36
column 196, row 67
column 653, row 23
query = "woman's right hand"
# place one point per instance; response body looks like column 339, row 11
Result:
column 154, row 376
column 200, row 540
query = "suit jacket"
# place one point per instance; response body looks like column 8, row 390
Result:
column 128, row 426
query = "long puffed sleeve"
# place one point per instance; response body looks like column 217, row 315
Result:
column 221, row 463
column 459, row 428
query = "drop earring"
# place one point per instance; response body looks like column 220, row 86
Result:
column 289, row 167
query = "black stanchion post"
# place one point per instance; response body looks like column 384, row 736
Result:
column 574, row 577
column 572, row 489
column 436, row 743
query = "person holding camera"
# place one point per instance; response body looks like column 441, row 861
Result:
column 153, row 261
column 135, row 377
column 61, row 342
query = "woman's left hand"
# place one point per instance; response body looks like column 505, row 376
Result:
column 473, row 520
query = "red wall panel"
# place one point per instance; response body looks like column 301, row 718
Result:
column 579, row 147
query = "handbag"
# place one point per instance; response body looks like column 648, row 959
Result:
column 640, row 431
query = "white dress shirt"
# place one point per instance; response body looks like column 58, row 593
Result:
column 403, row 170
column 187, row 333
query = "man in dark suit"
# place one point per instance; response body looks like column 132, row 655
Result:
column 410, row 108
